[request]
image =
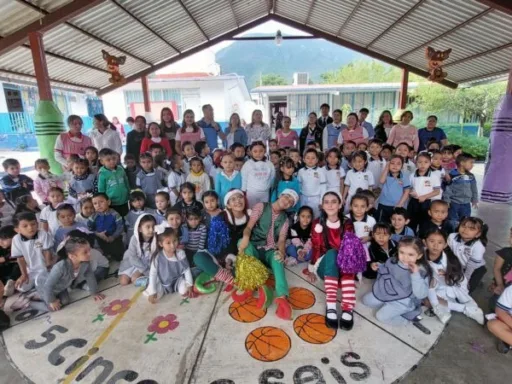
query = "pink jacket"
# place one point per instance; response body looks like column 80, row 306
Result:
column 404, row 134
column 42, row 186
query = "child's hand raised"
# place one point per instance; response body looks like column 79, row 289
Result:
column 56, row 305
column 152, row 299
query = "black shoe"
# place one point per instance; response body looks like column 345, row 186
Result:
column 331, row 323
column 503, row 347
column 347, row 324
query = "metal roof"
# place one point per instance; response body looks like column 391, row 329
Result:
column 315, row 88
column 156, row 33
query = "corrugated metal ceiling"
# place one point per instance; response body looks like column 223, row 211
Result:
column 151, row 32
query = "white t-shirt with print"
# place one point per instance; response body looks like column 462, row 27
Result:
column 505, row 300
column 355, row 180
column 49, row 215
column 32, row 251
column 334, row 177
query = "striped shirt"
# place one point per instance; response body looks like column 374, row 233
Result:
column 196, row 238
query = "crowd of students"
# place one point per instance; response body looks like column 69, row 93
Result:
column 350, row 202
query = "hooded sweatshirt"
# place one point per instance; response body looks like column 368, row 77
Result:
column 138, row 254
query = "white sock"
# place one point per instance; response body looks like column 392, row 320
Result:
column 332, row 316
column 347, row 316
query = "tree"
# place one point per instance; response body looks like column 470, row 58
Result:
column 366, row 71
column 273, row 79
column 477, row 102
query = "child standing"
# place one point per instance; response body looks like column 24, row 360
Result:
column 137, row 258
column 188, row 200
column 285, row 180
column 107, row 224
column 169, row 271
column 347, row 148
column 381, row 249
column 48, row 217
column 401, row 284
column 399, row 221
column 149, row 179
column 198, row 177
column 228, row 178
column 203, row 152
column 45, row 180
column 395, row 188
column 188, row 154
column 132, row 170
column 404, row 132
column 299, row 236
column 334, row 173
column 196, row 234
column 357, row 177
column 448, row 159
column 155, row 135
column 257, row 175
column 137, row 209
column 448, row 289
column 83, row 182
column 469, row 246
column 176, row 178
column 424, row 186
column 66, row 216
column 113, row 182
column 327, row 235
column 313, row 182
column 404, row 150
column 9, row 268
column 32, row 249
column 70, row 271
column 363, row 223
column 15, row 184
column 461, row 191
column 376, row 164
column 211, row 207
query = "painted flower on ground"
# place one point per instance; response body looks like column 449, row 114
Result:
column 116, row 307
column 163, row 324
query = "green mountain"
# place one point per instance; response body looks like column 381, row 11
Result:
column 252, row 58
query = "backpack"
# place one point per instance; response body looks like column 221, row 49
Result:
column 351, row 255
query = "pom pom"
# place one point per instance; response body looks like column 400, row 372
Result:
column 250, row 273
column 318, row 228
column 218, row 236
column 351, row 256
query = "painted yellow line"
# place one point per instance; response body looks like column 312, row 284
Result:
column 104, row 336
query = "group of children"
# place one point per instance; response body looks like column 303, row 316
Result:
column 410, row 211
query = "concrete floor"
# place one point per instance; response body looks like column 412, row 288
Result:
column 465, row 352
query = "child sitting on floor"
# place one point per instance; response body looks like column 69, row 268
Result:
column 83, row 182
column 86, row 210
column 211, row 207
column 137, row 208
column 15, row 184
column 48, row 217
column 502, row 272
column 169, row 271
column 299, row 237
column 501, row 325
column 9, row 268
column 196, row 234
column 381, row 248
column 399, row 221
column 45, row 180
column 66, row 216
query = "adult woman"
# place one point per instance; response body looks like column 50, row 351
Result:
column 189, row 131
column 431, row 131
column 404, row 132
column 119, row 128
column 384, row 126
column 225, row 230
column 155, row 136
column 311, row 132
column 168, row 125
column 354, row 131
column 257, row 129
column 234, row 132
column 72, row 142
column 103, row 136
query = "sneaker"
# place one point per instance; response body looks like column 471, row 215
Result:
column 474, row 313
column 346, row 320
column 9, row 288
column 442, row 313
column 503, row 347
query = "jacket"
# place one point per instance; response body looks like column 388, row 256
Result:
column 15, row 188
column 115, row 184
column 461, row 189
column 139, row 253
column 133, row 142
column 317, row 133
column 379, row 255
column 239, row 136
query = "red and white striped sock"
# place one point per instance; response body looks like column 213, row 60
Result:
column 224, row 275
column 331, row 288
column 348, row 292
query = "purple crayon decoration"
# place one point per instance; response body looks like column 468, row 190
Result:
column 498, row 176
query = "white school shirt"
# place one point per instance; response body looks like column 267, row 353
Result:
column 175, row 180
column 257, row 176
column 334, row 177
column 376, row 167
column 505, row 300
column 49, row 215
column 470, row 255
column 423, row 185
column 355, row 180
column 364, row 227
column 409, row 167
column 439, row 173
column 32, row 251
column 313, row 181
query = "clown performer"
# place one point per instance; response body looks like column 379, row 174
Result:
column 265, row 239
column 226, row 229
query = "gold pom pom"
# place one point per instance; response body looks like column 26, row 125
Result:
column 250, row 273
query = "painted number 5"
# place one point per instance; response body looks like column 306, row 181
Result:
column 47, row 335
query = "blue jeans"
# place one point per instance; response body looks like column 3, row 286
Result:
column 457, row 212
column 291, row 250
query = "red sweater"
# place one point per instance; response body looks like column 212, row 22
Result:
column 146, row 143
column 333, row 237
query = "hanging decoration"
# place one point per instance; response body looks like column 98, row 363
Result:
column 113, row 63
column 435, row 63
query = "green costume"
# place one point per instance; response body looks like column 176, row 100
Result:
column 48, row 126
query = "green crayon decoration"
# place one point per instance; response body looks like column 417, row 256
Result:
column 49, row 125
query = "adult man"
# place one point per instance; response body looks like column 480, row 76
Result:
column 324, row 118
column 363, row 114
column 269, row 245
column 211, row 129
column 431, row 132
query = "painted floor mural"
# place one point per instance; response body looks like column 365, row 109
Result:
column 210, row 340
